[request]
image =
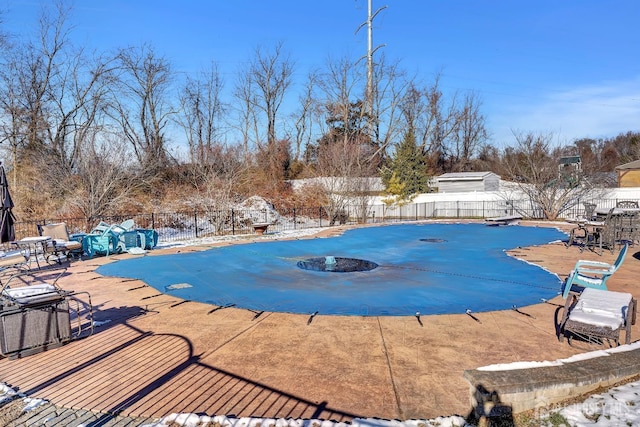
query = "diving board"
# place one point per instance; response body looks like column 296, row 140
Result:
column 503, row 220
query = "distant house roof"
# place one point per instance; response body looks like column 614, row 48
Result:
column 568, row 160
column 466, row 176
column 631, row 165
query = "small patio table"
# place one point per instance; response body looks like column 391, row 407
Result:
column 36, row 245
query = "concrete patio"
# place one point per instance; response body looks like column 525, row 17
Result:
column 155, row 354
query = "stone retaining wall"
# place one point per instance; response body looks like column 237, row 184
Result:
column 536, row 387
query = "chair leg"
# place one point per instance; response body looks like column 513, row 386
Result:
column 573, row 236
column 565, row 315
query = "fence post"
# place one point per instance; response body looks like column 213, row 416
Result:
column 295, row 226
column 233, row 222
column 320, row 217
column 195, row 221
column 153, row 221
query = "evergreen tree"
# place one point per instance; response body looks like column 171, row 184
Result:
column 406, row 174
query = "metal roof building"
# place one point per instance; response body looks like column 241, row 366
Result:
column 468, row 181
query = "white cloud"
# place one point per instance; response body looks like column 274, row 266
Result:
column 592, row 111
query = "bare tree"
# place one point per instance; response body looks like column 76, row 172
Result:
column 29, row 77
column 215, row 184
column 105, row 182
column 4, row 37
column 142, row 106
column 201, row 114
column 345, row 156
column 390, row 86
column 53, row 95
column 488, row 159
column 247, row 120
column 412, row 107
column 346, row 175
column 271, row 75
column 470, row 133
column 627, row 145
column 305, row 117
column 433, row 121
column 340, row 90
column 534, row 168
column 13, row 128
column 260, row 90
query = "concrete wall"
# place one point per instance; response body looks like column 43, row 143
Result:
column 524, row 389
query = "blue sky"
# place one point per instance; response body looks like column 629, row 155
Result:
column 569, row 67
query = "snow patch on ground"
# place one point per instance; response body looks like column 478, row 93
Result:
column 559, row 362
column 193, row 420
column 8, row 394
column 286, row 234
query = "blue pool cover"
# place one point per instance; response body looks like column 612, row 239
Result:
column 426, row 268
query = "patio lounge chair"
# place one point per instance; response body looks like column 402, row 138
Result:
column 61, row 245
column 117, row 238
column 592, row 274
column 102, row 242
column 597, row 315
column 118, row 228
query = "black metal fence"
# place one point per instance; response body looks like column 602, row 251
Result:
column 178, row 226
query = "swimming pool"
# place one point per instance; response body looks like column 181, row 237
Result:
column 427, row 268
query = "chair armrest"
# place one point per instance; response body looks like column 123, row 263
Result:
column 587, row 263
column 591, row 271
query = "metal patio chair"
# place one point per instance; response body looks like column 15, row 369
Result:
column 61, row 246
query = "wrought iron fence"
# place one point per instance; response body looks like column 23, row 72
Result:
column 179, row 226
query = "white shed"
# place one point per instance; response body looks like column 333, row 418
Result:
column 468, row 181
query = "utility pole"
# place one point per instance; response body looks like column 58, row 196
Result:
column 370, row 52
